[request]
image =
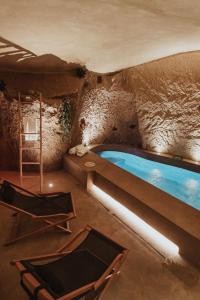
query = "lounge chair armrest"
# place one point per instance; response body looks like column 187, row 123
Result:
column 51, row 194
column 41, row 257
column 52, row 216
column 75, row 238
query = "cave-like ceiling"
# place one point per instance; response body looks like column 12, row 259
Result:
column 105, row 35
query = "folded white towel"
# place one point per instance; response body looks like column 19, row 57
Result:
column 79, row 150
column 72, row 151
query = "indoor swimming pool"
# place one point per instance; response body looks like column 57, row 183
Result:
column 180, row 183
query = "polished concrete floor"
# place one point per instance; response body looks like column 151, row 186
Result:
column 145, row 275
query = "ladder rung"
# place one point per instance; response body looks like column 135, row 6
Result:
column 24, row 133
column 30, row 176
column 29, row 148
column 23, row 117
column 30, row 163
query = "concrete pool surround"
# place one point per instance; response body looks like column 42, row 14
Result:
column 176, row 220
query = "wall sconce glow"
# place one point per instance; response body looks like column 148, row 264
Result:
column 50, row 185
column 158, row 144
column 158, row 241
column 159, row 149
column 196, row 153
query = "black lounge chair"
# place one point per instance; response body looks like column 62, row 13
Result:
column 81, row 269
column 54, row 209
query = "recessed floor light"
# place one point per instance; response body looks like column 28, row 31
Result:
column 158, row 241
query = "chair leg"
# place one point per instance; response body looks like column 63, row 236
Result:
column 66, row 228
column 40, row 230
column 14, row 214
column 15, row 226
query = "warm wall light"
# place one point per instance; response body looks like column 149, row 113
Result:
column 195, row 153
column 50, row 185
column 158, row 241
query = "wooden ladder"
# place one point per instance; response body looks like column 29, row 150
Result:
column 22, row 141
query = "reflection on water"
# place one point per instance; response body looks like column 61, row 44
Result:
column 192, row 185
column 155, row 175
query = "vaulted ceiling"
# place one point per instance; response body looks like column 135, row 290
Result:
column 105, row 35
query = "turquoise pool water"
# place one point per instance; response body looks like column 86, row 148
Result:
column 180, row 183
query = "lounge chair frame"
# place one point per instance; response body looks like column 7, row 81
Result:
column 59, row 220
column 31, row 283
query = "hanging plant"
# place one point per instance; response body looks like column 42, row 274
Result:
column 65, row 118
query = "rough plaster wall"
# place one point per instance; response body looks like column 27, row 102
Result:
column 108, row 115
column 54, row 87
column 55, row 141
column 8, row 134
column 167, row 95
column 49, row 84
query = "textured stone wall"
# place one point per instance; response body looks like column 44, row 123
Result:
column 56, row 139
column 155, row 105
column 50, row 84
column 108, row 116
column 106, row 113
column 167, row 95
column 8, row 134
column 55, row 87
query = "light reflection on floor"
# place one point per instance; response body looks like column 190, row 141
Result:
column 158, row 241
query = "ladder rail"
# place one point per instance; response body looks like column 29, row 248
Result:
column 23, row 147
column 41, row 152
column 20, row 140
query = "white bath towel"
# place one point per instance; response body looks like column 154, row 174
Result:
column 79, row 150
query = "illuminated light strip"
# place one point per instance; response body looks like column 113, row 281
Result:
column 158, row 241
